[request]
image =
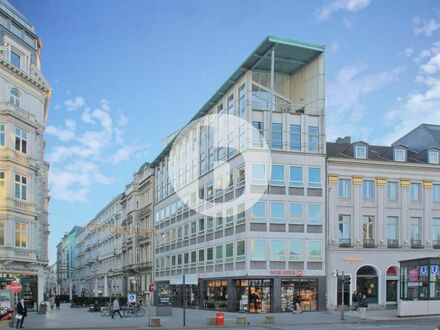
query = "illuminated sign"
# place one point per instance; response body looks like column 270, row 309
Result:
column 283, row 272
column 353, row 260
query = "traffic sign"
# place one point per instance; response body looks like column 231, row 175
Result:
column 132, row 298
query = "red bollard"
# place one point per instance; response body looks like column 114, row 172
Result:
column 220, row 318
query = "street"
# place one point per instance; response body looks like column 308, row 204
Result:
column 80, row 318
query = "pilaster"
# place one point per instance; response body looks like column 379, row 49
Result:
column 404, row 220
column 427, row 217
column 357, row 223
column 381, row 221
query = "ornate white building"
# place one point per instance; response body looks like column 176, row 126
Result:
column 24, row 100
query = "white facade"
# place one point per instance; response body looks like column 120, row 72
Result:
column 381, row 211
column 24, row 99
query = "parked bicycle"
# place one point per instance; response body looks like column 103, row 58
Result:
column 106, row 311
column 133, row 310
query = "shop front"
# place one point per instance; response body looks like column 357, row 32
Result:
column 29, row 285
column 254, row 295
column 304, row 290
column 216, row 295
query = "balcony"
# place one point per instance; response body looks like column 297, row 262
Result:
column 369, row 243
column 416, row 244
column 392, row 243
column 436, row 244
column 345, row 242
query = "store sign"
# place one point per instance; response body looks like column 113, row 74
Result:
column 18, row 269
column 189, row 279
column 283, row 272
column 353, row 260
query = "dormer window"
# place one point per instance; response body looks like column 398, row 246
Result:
column 399, row 155
column 433, row 157
column 14, row 97
column 360, row 152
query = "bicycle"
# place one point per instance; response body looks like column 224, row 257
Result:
column 106, row 311
column 136, row 311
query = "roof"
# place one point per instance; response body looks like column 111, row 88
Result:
column 422, row 137
column 290, row 55
column 6, row 6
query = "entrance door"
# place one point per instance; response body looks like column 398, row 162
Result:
column 392, row 285
column 346, row 291
column 367, row 284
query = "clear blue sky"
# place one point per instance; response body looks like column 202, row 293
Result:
column 127, row 73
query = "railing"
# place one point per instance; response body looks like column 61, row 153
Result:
column 344, row 242
column 369, row 243
column 416, row 243
column 393, row 243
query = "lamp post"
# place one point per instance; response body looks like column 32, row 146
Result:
column 110, row 273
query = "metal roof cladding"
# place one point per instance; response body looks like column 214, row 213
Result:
column 290, row 55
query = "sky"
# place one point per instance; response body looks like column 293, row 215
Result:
column 127, row 73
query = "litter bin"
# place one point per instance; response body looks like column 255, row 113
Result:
column 42, row 309
column 220, row 318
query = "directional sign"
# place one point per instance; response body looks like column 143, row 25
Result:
column 434, row 269
column 423, row 270
column 132, row 298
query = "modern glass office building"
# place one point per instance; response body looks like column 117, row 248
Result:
column 240, row 204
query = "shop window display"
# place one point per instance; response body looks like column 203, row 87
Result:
column 254, row 296
column 30, row 287
column 307, row 291
column 216, row 295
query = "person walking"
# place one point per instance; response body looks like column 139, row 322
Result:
column 52, row 302
column 21, row 313
column 363, row 306
column 297, row 304
column 116, row 308
column 57, row 302
column 355, row 301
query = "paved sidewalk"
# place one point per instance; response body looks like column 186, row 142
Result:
column 75, row 318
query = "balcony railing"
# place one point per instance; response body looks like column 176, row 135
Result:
column 436, row 244
column 416, row 244
column 369, row 243
column 393, row 243
column 344, row 242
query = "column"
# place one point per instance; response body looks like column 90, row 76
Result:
column 332, row 215
column 70, row 290
column 96, row 287
column 106, row 294
column 427, row 217
column 404, row 202
column 381, row 228
column 357, row 220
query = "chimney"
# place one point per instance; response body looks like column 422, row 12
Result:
column 345, row 140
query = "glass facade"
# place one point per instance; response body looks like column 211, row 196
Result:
column 306, row 289
column 420, row 279
column 254, row 296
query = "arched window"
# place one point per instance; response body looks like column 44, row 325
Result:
column 14, row 97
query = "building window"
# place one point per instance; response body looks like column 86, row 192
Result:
column 277, row 212
column 392, row 191
column 368, row 189
column 2, row 184
column 314, row 177
column 20, row 187
column 241, row 248
column 399, row 155
column 295, row 137
column 277, row 136
column 229, row 251
column 20, row 140
column 416, row 235
column 20, row 234
column 296, row 249
column 344, row 188
column 219, row 252
column 277, row 175
column 209, row 254
column 393, row 231
column 415, row 191
column 14, row 97
column 314, row 214
column 314, row 250
column 15, row 59
column 433, row 157
column 258, row 249
column 258, row 174
column 277, row 249
column 258, row 212
column 436, row 193
column 436, row 232
column 2, row 135
column 313, row 138
column 360, row 152
column 2, row 232
column 296, row 176
column 368, row 230
column 241, row 177
column 242, row 100
column 344, row 232
column 257, row 134
column 230, row 104
column 296, row 212
column 201, row 256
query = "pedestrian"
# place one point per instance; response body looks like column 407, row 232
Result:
column 52, row 302
column 57, row 302
column 116, row 308
column 21, row 313
column 355, row 301
column 363, row 306
column 297, row 304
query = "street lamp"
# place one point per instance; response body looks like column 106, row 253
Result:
column 344, row 281
column 110, row 273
